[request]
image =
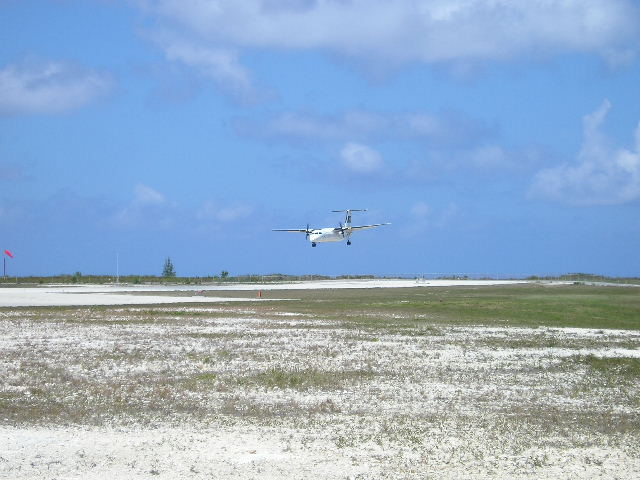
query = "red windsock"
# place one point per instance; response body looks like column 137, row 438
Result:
column 9, row 253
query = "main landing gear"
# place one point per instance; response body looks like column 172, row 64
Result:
column 313, row 244
column 348, row 242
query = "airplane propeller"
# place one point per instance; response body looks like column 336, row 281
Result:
column 307, row 232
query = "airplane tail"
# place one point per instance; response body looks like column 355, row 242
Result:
column 347, row 218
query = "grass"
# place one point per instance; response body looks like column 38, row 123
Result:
column 621, row 367
column 517, row 305
column 351, row 353
column 303, row 378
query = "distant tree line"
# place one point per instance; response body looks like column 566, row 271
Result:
column 169, row 275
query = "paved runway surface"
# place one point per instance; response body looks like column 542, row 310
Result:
column 85, row 295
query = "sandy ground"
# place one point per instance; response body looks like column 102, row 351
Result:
column 272, row 454
column 51, row 297
column 108, row 453
column 186, row 393
column 85, row 295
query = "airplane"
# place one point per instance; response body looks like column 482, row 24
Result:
column 329, row 234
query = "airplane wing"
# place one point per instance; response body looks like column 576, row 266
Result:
column 364, row 227
column 296, row 230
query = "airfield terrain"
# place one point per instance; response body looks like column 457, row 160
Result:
column 90, row 295
column 434, row 380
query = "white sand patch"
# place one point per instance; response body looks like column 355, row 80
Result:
column 86, row 295
column 248, row 452
column 166, row 453
column 31, row 297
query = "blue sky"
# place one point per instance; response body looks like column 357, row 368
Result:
column 497, row 136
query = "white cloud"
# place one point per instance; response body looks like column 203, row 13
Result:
column 147, row 207
column 360, row 158
column 408, row 30
column 224, row 213
column 317, row 127
column 216, row 63
column 430, row 146
column 150, row 209
column 489, row 157
column 602, row 175
column 144, row 195
column 480, row 162
column 34, row 87
column 363, row 125
column 424, row 218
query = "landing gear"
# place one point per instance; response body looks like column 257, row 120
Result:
column 313, row 244
column 348, row 242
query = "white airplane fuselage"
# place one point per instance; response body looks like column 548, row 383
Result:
column 320, row 235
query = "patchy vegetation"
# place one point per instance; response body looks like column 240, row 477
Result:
column 505, row 382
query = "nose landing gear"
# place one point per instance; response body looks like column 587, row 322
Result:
column 348, row 242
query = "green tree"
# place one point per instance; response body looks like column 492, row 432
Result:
column 224, row 274
column 168, row 270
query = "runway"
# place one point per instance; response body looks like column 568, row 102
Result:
column 90, row 295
